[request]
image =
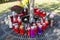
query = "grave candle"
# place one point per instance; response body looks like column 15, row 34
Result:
column 39, row 28
column 28, row 31
column 19, row 21
column 15, row 27
column 21, row 30
column 32, row 32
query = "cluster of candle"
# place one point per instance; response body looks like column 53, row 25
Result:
column 15, row 22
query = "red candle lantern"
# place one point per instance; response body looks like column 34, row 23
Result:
column 32, row 31
column 36, row 28
column 28, row 31
column 46, row 22
column 37, row 12
column 43, row 26
column 42, row 14
column 35, row 9
column 21, row 30
column 14, row 20
column 39, row 28
column 19, row 21
column 43, row 19
column 15, row 28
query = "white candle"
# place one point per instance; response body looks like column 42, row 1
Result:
column 19, row 19
column 10, row 23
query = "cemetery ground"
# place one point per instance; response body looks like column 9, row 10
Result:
column 50, row 33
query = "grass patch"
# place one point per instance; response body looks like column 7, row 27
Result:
column 48, row 5
column 6, row 6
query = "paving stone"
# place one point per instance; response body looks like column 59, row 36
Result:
column 15, row 39
column 8, row 29
column 49, row 34
column 9, row 37
column 3, row 39
column 1, row 32
column 14, row 34
column 4, row 26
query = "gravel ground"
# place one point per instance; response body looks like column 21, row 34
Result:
column 50, row 34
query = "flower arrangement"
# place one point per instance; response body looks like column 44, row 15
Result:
column 17, row 9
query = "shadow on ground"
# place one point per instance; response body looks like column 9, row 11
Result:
column 49, row 8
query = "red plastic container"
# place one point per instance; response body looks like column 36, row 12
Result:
column 21, row 30
column 28, row 31
column 15, row 28
column 47, row 23
column 42, row 14
column 36, row 30
column 19, row 21
column 43, row 26
column 37, row 12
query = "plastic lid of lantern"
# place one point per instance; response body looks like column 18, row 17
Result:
column 34, row 25
column 14, row 19
column 39, row 25
column 13, row 13
column 21, row 26
column 10, row 24
column 6, row 20
column 37, row 12
column 25, row 9
column 44, row 13
column 51, row 16
column 19, row 19
column 8, row 17
column 47, row 13
column 15, row 25
column 43, row 24
column 35, row 9
column 46, row 21
column 44, row 18
column 28, row 28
